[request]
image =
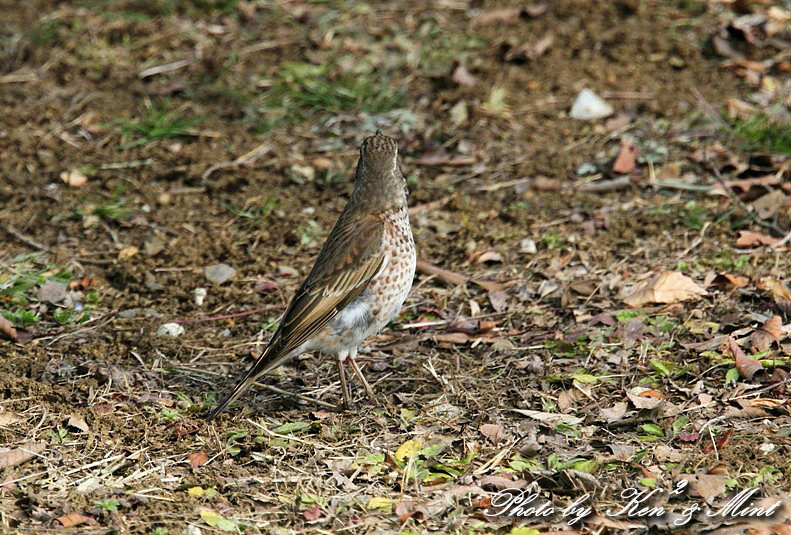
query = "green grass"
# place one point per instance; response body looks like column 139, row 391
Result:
column 255, row 212
column 301, row 89
column 760, row 132
column 20, row 279
column 156, row 125
column 93, row 213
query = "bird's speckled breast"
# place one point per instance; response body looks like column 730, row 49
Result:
column 389, row 290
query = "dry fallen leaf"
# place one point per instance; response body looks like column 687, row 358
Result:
column 197, row 458
column 499, row 300
column 531, row 49
column 769, row 333
column 746, row 367
column 707, row 486
column 748, row 238
column 7, row 328
column 77, row 422
column 492, row 431
column 767, row 206
column 487, row 256
column 8, row 418
column 21, row 454
column 667, row 287
column 551, row 418
column 779, row 290
column 626, row 160
column 644, row 398
column 463, row 77
column 726, row 279
column 76, row 519
column 614, row 413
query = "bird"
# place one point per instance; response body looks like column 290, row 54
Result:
column 360, row 279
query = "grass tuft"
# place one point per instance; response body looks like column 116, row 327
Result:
column 761, row 132
column 156, row 125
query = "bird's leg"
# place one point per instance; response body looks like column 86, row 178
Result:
column 359, row 373
column 344, row 384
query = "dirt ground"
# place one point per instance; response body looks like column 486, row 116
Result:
column 143, row 141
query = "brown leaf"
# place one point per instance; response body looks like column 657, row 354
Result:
column 440, row 157
column 460, row 324
column 77, row 422
column 769, row 205
column 531, row 49
column 614, row 413
column 626, row 160
column 21, row 454
column 405, row 511
column 501, row 481
column 487, row 256
column 197, row 458
column 312, row 513
column 452, row 338
column 769, row 333
column 493, row 432
column 746, row 367
column 76, row 519
column 779, row 290
column 7, row 328
column 649, row 401
column 739, row 109
column 463, row 77
column 744, row 185
column 667, row 287
column 706, row 486
column 499, row 300
column 727, row 279
column 719, row 443
column 9, row 418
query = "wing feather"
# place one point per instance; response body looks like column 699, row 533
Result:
column 351, row 257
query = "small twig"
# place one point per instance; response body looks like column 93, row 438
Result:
column 740, row 203
column 431, row 206
column 628, row 95
column 286, row 437
column 246, row 158
column 25, row 239
column 607, row 185
column 229, row 316
column 708, row 109
column 456, row 278
column 159, row 69
column 786, row 239
column 263, row 45
column 501, row 185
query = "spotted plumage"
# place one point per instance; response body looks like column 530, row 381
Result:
column 360, row 279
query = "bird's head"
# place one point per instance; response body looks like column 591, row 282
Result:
column 379, row 178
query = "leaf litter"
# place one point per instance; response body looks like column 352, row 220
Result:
column 572, row 390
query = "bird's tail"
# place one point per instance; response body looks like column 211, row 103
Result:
column 268, row 361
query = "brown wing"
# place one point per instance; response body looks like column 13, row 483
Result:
column 350, row 258
column 348, row 261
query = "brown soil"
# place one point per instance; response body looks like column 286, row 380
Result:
column 142, row 396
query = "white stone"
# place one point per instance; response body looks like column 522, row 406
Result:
column 588, row 106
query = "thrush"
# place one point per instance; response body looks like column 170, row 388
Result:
column 360, row 279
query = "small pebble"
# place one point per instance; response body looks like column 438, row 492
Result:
column 170, row 329
column 219, row 273
column 527, row 246
column 588, row 106
column 199, row 295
